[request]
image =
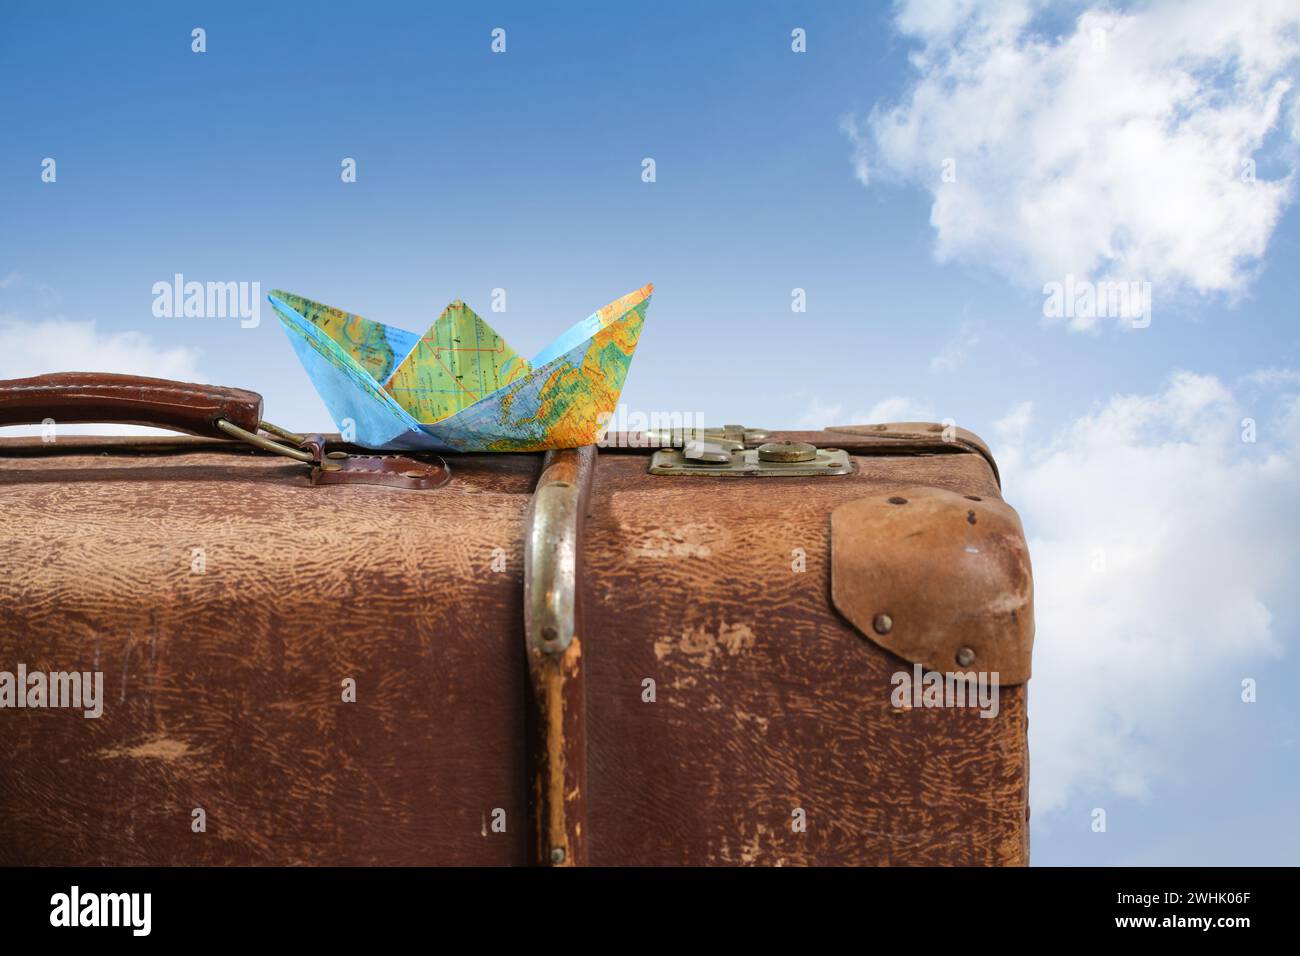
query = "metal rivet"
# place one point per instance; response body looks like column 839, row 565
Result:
column 896, row 500
column 417, row 475
column 557, row 855
column 883, row 623
column 336, row 454
column 330, row 466
column 965, row 656
column 787, row 451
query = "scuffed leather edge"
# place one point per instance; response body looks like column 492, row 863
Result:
column 927, row 433
column 902, row 438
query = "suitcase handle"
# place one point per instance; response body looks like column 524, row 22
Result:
column 554, row 634
column 83, row 397
column 210, row 411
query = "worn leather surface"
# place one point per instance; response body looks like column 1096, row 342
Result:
column 79, row 397
column 224, row 688
column 939, row 578
column 767, row 699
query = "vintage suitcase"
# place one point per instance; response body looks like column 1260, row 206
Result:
column 728, row 654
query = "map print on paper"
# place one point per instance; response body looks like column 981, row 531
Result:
column 460, row 360
column 460, row 386
column 559, row 404
column 376, row 347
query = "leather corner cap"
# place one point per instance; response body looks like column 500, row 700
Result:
column 938, row 578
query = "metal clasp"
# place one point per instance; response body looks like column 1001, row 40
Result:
column 728, row 437
column 790, row 459
column 267, row 444
column 339, row 467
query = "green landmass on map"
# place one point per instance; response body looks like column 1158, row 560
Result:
column 460, row 360
column 365, row 341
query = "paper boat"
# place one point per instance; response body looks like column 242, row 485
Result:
column 460, row 387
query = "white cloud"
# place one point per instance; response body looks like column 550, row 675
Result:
column 956, row 348
column 1111, row 152
column 1273, row 377
column 898, row 408
column 818, row 415
column 861, row 140
column 1013, row 428
column 55, row 345
column 1162, row 545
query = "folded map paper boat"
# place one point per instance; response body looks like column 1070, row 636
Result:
column 459, row 386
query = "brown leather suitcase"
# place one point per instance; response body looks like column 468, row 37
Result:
column 623, row 655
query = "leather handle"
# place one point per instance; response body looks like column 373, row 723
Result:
column 82, row 397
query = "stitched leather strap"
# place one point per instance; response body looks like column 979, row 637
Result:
column 81, row 397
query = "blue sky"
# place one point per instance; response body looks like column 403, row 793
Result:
column 523, row 171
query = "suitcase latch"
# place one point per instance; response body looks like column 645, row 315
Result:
column 713, row 457
column 728, row 436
